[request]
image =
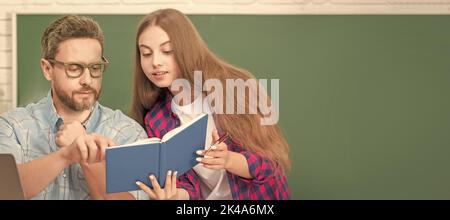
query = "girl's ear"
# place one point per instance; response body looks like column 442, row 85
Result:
column 47, row 69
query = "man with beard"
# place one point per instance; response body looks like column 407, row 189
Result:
column 59, row 142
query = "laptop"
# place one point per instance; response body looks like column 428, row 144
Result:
column 10, row 186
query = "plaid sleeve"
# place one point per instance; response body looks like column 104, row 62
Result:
column 260, row 168
column 191, row 183
column 267, row 182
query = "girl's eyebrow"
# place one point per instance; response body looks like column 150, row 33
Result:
column 145, row 46
column 165, row 43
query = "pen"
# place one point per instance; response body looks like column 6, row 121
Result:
column 223, row 138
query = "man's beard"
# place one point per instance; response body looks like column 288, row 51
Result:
column 71, row 103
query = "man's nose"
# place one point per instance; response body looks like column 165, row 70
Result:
column 85, row 77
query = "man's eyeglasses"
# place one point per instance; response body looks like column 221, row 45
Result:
column 75, row 70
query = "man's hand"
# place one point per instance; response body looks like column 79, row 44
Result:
column 87, row 148
column 67, row 133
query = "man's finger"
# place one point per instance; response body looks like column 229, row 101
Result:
column 102, row 143
column 82, row 148
column 92, row 146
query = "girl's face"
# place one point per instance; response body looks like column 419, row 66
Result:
column 157, row 57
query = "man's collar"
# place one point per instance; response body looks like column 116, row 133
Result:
column 52, row 116
column 56, row 120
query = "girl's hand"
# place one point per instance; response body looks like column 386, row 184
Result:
column 169, row 192
column 217, row 157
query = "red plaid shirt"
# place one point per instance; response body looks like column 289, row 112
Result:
column 267, row 183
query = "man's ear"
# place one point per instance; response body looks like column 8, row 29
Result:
column 47, row 69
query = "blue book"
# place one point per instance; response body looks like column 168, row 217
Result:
column 136, row 161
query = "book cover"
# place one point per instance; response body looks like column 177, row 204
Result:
column 136, row 161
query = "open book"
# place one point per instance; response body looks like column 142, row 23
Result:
column 125, row 164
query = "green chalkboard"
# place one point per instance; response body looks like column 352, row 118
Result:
column 364, row 100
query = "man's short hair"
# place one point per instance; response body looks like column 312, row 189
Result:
column 68, row 27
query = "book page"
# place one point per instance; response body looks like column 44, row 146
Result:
column 142, row 141
column 175, row 131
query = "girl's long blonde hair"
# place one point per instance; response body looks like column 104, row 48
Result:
column 191, row 54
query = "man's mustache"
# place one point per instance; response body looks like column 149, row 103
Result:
column 85, row 90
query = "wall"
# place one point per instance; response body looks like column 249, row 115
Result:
column 192, row 6
column 314, row 153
